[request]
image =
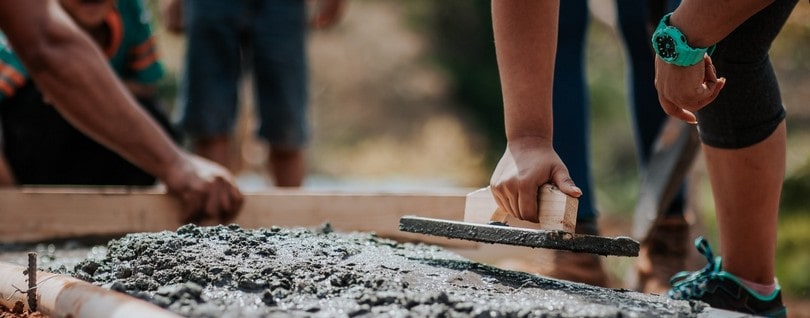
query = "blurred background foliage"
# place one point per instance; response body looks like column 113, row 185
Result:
column 405, row 96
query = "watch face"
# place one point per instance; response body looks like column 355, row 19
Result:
column 666, row 47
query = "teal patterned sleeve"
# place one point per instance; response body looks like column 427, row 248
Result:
column 12, row 73
column 142, row 56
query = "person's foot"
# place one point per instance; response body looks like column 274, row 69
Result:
column 662, row 255
column 576, row 267
column 723, row 290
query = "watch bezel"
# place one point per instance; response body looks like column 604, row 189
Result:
column 681, row 53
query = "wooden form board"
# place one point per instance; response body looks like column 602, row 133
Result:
column 36, row 214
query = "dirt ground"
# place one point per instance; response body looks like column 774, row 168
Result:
column 233, row 272
column 19, row 313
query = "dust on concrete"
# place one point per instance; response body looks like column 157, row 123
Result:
column 233, row 272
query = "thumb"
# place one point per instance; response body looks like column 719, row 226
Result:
column 564, row 182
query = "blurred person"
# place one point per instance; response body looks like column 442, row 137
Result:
column 742, row 130
column 267, row 37
column 41, row 146
column 73, row 75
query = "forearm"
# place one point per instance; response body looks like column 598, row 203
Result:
column 704, row 23
column 525, row 44
column 74, row 76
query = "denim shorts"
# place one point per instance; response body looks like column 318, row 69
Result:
column 266, row 37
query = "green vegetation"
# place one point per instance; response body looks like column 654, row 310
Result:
column 793, row 254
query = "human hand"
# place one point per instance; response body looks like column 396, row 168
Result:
column 325, row 13
column 683, row 91
column 207, row 190
column 527, row 164
column 172, row 15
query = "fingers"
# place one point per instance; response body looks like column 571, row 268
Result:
column 518, row 201
column 213, row 204
column 223, row 201
column 523, row 202
column 564, row 182
column 712, row 85
column 510, row 196
column 527, row 203
column 499, row 199
column 231, row 200
column 709, row 73
column 506, row 197
column 219, row 202
column 683, row 91
column 677, row 112
column 717, row 87
column 191, row 204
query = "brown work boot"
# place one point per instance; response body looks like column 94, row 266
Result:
column 576, row 267
column 663, row 254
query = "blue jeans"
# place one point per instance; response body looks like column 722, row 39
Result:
column 225, row 37
column 571, row 104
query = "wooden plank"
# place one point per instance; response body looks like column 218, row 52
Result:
column 36, row 214
column 557, row 210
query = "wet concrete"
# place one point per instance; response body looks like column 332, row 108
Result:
column 502, row 234
column 232, row 272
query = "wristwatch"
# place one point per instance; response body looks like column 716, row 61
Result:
column 670, row 45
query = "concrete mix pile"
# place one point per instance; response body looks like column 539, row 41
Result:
column 233, row 272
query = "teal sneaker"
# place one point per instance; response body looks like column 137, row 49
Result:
column 722, row 290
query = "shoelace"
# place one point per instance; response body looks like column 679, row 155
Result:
column 692, row 285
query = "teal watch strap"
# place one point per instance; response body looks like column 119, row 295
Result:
column 670, row 45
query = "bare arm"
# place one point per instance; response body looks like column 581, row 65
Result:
column 74, row 75
column 705, row 23
column 526, row 43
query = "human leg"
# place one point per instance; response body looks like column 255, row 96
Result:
column 746, row 156
column 664, row 250
column 743, row 133
column 571, row 105
column 280, row 68
column 288, row 166
column 746, row 184
column 572, row 139
column 211, row 72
